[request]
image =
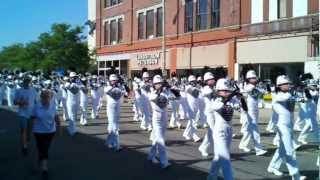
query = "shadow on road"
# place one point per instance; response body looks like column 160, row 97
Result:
column 81, row 157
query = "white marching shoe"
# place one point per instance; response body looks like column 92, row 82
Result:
column 275, row 171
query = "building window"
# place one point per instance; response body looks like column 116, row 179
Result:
column 159, row 22
column 106, row 33
column 189, row 16
column 282, row 9
column 141, row 26
column 215, row 13
column 201, row 14
column 150, row 24
column 113, row 32
column 256, row 11
column 300, row 8
column 110, row 3
column 120, row 30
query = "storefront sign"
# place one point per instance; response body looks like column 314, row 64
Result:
column 148, row 59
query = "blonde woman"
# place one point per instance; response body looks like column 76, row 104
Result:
column 45, row 121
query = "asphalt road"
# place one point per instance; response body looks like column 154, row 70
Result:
column 85, row 157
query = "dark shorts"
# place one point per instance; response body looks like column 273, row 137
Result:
column 24, row 122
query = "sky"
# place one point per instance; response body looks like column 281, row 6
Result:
column 23, row 21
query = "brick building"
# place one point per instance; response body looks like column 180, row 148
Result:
column 282, row 34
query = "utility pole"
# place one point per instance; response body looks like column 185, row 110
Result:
column 164, row 71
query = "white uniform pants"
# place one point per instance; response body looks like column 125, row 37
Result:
column 285, row 151
column 72, row 114
column 145, row 107
column 113, row 112
column 208, row 138
column 222, row 137
column 174, row 119
column 250, row 132
column 159, row 120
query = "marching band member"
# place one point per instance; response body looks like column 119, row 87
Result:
column 200, row 116
column 192, row 93
column 95, row 87
column 64, row 97
column 251, row 118
column 159, row 101
column 113, row 92
column 208, row 95
column 145, row 87
column 174, row 101
column 310, row 131
column 222, row 108
column 58, row 93
column 137, row 99
column 11, row 88
column 73, row 99
column 284, row 107
column 83, row 101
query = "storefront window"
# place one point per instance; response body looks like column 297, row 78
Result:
column 202, row 14
column 215, row 13
column 116, row 63
column 109, row 64
column 189, row 16
column 150, row 24
column 102, row 64
column 273, row 70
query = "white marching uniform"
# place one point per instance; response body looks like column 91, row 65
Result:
column 11, row 89
column 159, row 104
column 222, row 137
column 192, row 94
column 208, row 96
column 144, row 105
column 310, row 131
column 174, row 101
column 200, row 116
column 250, row 119
column 113, row 94
column 271, row 126
column 83, row 104
column 284, row 107
column 64, row 96
column 73, row 98
column 183, row 105
column 302, row 114
column 58, row 94
column 95, row 97
column 136, row 102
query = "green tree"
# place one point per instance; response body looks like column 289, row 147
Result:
column 61, row 48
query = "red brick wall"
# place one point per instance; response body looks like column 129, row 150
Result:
column 266, row 10
column 231, row 14
column 245, row 11
column 313, row 6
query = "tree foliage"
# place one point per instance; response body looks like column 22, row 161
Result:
column 61, row 48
